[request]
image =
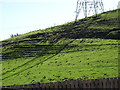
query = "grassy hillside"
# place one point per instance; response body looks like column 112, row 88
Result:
column 84, row 50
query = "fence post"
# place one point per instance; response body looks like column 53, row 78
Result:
column 52, row 85
column 100, row 83
column 84, row 83
column 80, row 84
column 111, row 82
column 74, row 84
column 88, row 84
column 108, row 83
column 60, row 85
column 46, row 85
column 42, row 85
column 114, row 83
column 104, row 83
column 118, row 82
column 64, row 85
column 68, row 85
column 56, row 85
column 92, row 83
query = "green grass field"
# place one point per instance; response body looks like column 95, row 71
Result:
column 87, row 49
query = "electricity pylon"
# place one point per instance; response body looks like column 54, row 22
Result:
column 96, row 6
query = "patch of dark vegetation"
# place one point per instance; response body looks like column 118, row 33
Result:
column 102, row 26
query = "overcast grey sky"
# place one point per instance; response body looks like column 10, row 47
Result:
column 22, row 16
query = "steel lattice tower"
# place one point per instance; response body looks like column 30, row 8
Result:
column 94, row 6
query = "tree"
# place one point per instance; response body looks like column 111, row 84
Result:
column 14, row 35
column 11, row 35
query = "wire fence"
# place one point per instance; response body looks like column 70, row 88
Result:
column 93, row 83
